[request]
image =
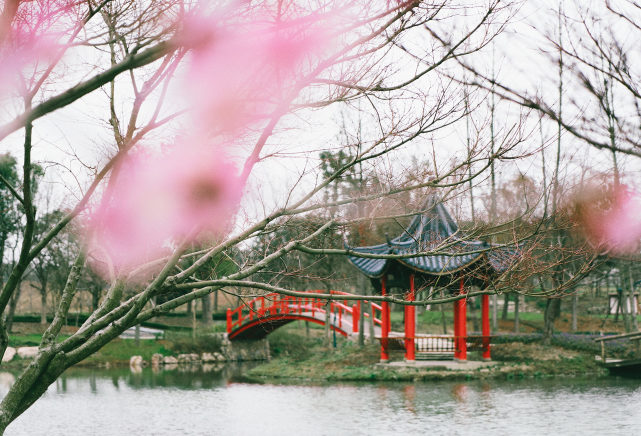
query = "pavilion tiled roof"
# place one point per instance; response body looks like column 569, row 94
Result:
column 433, row 229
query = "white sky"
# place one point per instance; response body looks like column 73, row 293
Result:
column 79, row 134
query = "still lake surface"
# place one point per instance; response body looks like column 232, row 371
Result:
column 119, row 402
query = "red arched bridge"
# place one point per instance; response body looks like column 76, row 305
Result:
column 256, row 318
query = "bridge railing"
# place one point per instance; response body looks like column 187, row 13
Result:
column 275, row 305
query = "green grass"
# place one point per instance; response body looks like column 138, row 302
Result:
column 121, row 350
column 30, row 340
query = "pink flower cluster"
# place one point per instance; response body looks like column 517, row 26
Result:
column 612, row 220
column 156, row 200
column 239, row 70
column 32, row 36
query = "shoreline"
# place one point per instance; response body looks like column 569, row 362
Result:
column 324, row 365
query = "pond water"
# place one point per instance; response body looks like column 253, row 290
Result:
column 119, row 402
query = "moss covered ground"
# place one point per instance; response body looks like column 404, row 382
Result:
column 297, row 357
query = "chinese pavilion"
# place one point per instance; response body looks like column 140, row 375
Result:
column 457, row 264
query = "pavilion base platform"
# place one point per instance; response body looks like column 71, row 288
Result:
column 450, row 365
column 435, row 347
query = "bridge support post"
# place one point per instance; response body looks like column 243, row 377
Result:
column 228, row 320
column 460, row 325
column 385, row 322
column 410, row 326
column 485, row 316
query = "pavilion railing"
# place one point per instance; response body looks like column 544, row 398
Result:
column 447, row 343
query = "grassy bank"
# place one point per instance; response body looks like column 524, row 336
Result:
column 296, row 357
column 119, row 351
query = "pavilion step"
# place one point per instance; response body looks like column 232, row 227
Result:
column 434, row 356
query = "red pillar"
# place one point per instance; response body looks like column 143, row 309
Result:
column 228, row 320
column 460, row 325
column 385, row 322
column 485, row 315
column 355, row 318
column 410, row 327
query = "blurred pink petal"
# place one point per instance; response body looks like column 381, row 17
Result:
column 33, row 36
column 612, row 220
column 187, row 193
column 240, row 70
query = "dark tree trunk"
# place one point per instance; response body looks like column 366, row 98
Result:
column 552, row 312
column 95, row 298
column 506, row 304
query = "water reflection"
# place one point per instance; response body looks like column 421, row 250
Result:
column 214, row 400
column 181, row 377
column 409, row 394
column 459, row 392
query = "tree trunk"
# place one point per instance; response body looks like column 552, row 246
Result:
column 633, row 306
column 370, row 324
column 95, row 298
column 473, row 315
column 361, row 323
column 12, row 307
column 575, row 308
column 327, row 321
column 495, row 312
column 442, row 307
column 516, row 313
column 362, row 306
column 193, row 322
column 624, row 301
column 207, row 315
column 137, row 335
column 506, row 303
column 216, row 300
column 43, row 305
column 552, row 312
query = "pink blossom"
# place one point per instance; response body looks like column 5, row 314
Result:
column 32, row 35
column 17, row 57
column 611, row 220
column 185, row 194
column 239, row 71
